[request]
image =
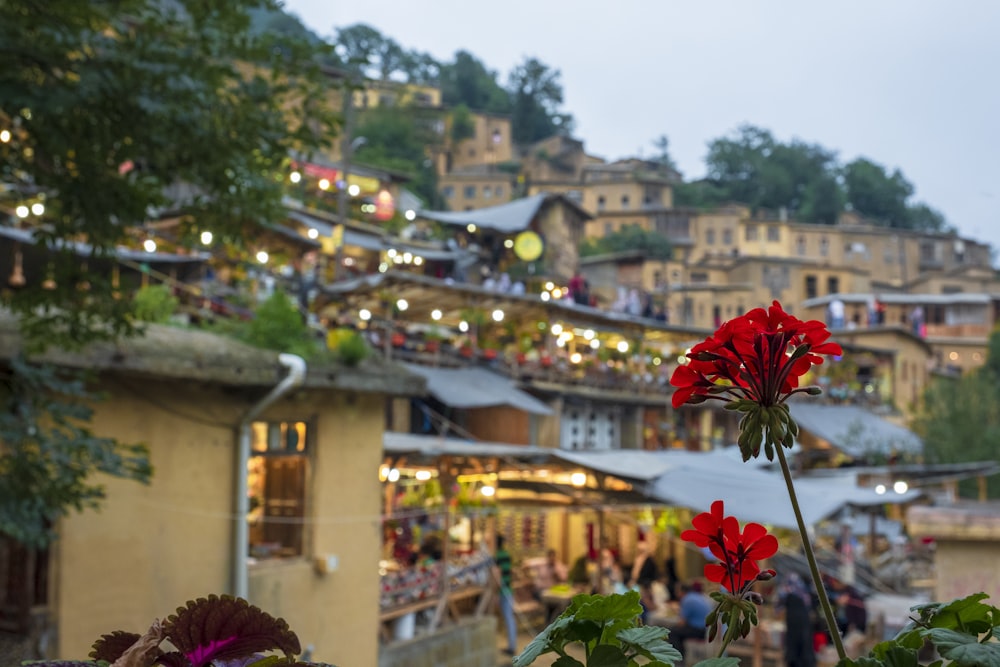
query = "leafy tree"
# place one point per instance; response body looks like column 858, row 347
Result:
column 662, row 145
column 49, row 452
column 359, row 46
column 536, row 97
column 118, row 113
column 629, row 237
column 467, row 81
column 922, row 217
column 462, row 124
column 960, row 418
column 875, row 193
column 397, row 139
column 420, row 68
column 164, row 107
column 754, row 168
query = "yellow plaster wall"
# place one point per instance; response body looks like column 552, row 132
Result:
column 151, row 548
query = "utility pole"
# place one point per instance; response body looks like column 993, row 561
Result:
column 345, row 165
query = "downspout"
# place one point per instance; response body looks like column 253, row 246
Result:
column 296, row 366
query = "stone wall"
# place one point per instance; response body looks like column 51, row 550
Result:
column 471, row 642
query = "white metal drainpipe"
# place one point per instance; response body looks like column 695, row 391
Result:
column 296, row 366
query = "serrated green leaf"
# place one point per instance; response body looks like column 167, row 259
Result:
column 898, row 656
column 652, row 642
column 964, row 649
column 602, row 608
column 967, row 614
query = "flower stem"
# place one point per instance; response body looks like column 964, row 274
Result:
column 824, row 601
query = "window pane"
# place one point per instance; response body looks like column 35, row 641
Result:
column 276, row 486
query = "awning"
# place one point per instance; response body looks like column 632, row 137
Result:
column 476, row 388
column 122, row 253
column 436, row 445
column 507, row 218
column 854, row 430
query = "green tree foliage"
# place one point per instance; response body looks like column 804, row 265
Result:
column 462, row 124
column 536, row 96
column 960, row 418
column 629, row 237
column 49, row 453
column 397, row 138
column 875, row 193
column 155, row 303
column 121, row 110
column 468, row 81
column 752, row 167
column 278, row 325
column 663, row 157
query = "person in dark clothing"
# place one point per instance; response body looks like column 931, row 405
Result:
column 504, row 571
column 798, row 633
column 795, row 599
column 642, row 577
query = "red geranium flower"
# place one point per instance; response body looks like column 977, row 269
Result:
column 738, row 552
column 753, row 363
column 759, row 356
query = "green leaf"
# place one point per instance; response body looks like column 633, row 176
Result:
column 650, row 641
column 563, row 661
column 966, row 614
column 860, row 662
column 898, row 656
column 623, row 606
column 552, row 636
column 607, row 655
column 965, row 649
column 718, row 662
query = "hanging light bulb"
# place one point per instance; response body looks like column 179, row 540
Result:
column 38, row 208
column 295, row 177
column 149, row 245
column 22, row 211
column 4, row 136
column 206, row 237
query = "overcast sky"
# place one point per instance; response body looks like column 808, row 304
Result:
column 908, row 83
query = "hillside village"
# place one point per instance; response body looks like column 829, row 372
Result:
column 479, row 367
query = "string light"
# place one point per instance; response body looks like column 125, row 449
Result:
column 149, row 245
column 324, row 184
column 498, row 315
column 313, row 233
column 365, row 314
column 435, row 314
column 410, row 215
column 295, row 177
column 206, row 237
column 354, row 190
column 4, row 136
column 418, row 260
column 262, row 257
column 471, row 228
column 463, row 326
column 623, row 346
column 22, row 211
column 402, row 305
column 38, row 208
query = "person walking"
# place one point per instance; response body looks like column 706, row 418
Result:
column 504, row 571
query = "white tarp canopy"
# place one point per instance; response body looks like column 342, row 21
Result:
column 476, row 388
column 506, row 218
column 697, row 479
column 853, row 429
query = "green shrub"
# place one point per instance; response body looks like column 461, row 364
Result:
column 154, row 303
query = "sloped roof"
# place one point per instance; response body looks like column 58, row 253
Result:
column 472, row 387
column 853, row 430
column 509, row 218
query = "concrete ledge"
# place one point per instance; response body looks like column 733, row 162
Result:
column 469, row 643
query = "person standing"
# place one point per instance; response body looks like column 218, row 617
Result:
column 695, row 607
column 504, row 570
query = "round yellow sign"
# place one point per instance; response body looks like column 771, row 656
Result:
column 528, row 246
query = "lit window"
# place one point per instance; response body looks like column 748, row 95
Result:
column 276, row 485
